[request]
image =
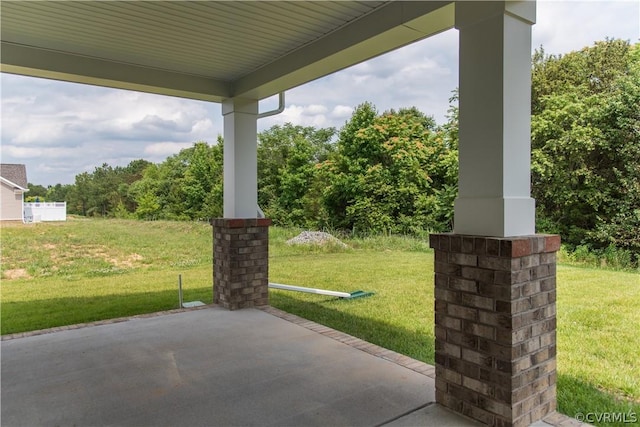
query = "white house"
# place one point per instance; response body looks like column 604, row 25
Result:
column 13, row 185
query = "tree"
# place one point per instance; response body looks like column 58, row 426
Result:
column 36, row 192
column 448, row 167
column 585, row 144
column 340, row 170
column 78, row 195
column 128, row 175
column 287, row 159
column 102, row 192
column 58, row 192
column 202, row 183
column 144, row 191
column 148, row 206
column 389, row 172
column 187, row 185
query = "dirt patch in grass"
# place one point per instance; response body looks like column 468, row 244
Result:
column 16, row 273
column 73, row 252
column 128, row 262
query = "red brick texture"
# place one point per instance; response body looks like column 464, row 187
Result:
column 241, row 262
column 496, row 326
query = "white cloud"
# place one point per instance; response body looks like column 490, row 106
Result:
column 315, row 109
column 425, row 66
column 203, row 129
column 341, row 112
column 302, row 115
column 421, row 75
column 21, row 152
column 564, row 26
column 165, row 149
column 74, row 128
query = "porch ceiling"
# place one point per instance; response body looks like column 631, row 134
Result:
column 208, row 50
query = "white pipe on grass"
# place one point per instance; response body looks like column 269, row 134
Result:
column 309, row 290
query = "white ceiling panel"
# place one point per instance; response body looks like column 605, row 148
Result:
column 205, row 49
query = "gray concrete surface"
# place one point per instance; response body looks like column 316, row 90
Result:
column 432, row 415
column 208, row 367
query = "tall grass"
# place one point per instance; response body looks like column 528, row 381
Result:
column 611, row 257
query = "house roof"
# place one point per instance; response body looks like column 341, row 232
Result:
column 207, row 50
column 15, row 175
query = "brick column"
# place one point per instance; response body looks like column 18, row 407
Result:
column 496, row 326
column 241, row 262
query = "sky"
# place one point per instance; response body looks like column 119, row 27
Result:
column 59, row 130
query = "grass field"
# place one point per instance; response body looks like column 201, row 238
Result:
column 84, row 270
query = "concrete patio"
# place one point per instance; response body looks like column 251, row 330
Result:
column 214, row 367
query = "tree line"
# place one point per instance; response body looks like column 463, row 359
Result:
column 396, row 171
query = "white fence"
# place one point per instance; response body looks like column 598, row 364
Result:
column 45, row 211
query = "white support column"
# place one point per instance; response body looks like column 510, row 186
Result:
column 495, row 119
column 240, row 157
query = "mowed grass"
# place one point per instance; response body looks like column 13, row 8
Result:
column 598, row 328
column 56, row 274
column 85, row 270
column 95, row 247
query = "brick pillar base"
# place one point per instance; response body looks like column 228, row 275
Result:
column 496, row 326
column 241, row 262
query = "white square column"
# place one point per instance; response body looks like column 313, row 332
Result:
column 240, row 157
column 495, row 119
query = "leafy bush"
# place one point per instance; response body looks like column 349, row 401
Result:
column 585, row 150
column 609, row 257
column 391, row 173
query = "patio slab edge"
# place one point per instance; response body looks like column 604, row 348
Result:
column 99, row 323
column 350, row 340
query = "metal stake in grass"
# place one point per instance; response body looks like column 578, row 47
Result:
column 186, row 304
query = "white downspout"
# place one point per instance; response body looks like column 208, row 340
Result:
column 278, row 110
column 24, row 219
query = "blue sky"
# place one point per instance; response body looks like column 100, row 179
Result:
column 61, row 129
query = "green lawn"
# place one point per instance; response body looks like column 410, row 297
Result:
column 85, row 270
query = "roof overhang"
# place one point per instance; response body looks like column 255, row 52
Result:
column 12, row 184
column 207, row 50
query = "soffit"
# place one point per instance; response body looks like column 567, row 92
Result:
column 206, row 49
